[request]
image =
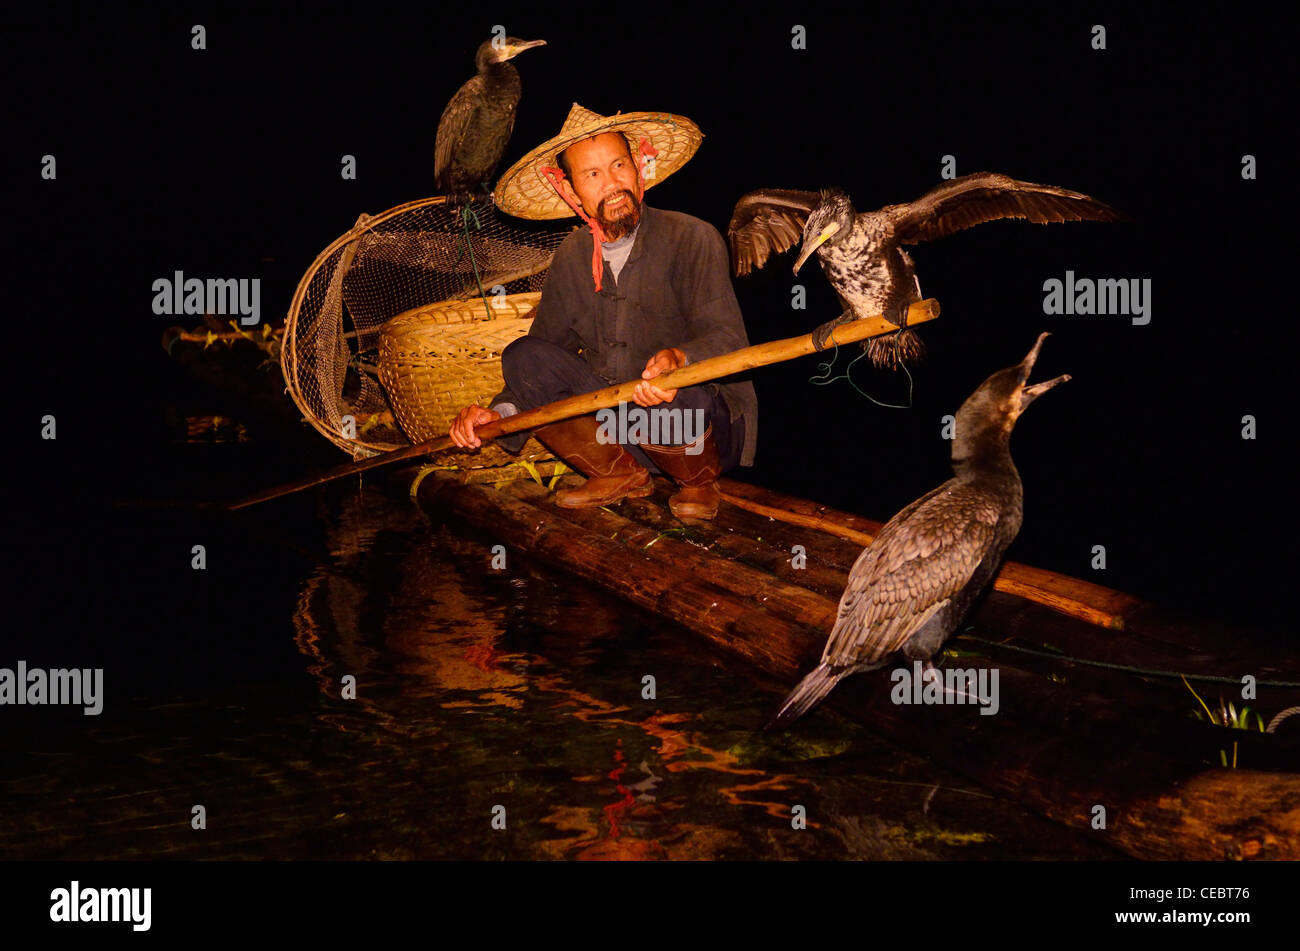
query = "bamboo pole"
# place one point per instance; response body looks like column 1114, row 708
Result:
column 714, row 368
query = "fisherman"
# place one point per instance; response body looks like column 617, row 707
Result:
column 639, row 292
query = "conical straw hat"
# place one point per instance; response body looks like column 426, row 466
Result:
column 525, row 192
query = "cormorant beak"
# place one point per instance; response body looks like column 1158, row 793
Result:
column 1030, row 393
column 809, row 248
column 514, row 49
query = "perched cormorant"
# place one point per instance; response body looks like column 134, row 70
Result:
column 911, row 587
column 861, row 253
column 476, row 125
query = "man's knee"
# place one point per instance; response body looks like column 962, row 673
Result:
column 524, row 356
column 697, row 397
column 708, row 410
column 702, row 404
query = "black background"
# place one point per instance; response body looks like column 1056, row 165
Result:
column 225, row 162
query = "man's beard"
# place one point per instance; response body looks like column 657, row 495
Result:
column 624, row 224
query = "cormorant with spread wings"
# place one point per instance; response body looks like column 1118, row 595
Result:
column 861, row 252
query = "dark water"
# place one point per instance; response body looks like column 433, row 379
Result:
column 475, row 689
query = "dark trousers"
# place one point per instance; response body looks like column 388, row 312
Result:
column 538, row 372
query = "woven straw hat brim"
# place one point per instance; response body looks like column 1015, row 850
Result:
column 523, row 191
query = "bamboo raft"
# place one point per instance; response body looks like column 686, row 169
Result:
column 1074, row 742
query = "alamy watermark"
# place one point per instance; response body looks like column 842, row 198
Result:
column 656, row 425
column 103, row 904
column 1084, row 296
column 228, row 296
column 951, row 685
column 36, row 687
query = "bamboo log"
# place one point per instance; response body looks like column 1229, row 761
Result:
column 1089, row 602
column 714, row 368
column 752, row 498
column 763, row 543
column 781, row 598
column 734, row 624
column 1153, row 637
column 742, row 540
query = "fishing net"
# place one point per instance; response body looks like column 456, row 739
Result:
column 398, row 262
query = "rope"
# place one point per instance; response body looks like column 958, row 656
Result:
column 1143, row 671
column 424, row 471
column 466, row 213
column 826, row 380
column 1285, row 714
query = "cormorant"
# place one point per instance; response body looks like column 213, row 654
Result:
column 911, row 587
column 476, row 125
column 861, row 253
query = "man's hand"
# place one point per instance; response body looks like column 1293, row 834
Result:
column 647, row 394
column 462, row 427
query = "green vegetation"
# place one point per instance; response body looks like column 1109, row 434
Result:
column 1227, row 716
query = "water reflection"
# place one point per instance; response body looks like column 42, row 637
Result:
column 480, row 695
column 529, row 691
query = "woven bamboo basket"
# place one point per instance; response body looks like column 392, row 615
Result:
column 437, row 359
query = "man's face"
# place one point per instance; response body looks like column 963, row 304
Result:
column 603, row 179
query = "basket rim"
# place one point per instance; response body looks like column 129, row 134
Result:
column 474, row 304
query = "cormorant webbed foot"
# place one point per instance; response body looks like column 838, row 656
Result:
column 930, row 672
column 823, row 333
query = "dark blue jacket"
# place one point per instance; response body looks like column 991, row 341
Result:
column 674, row 291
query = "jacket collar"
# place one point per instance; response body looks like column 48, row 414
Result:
column 646, row 228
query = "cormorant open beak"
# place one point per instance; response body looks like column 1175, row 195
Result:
column 514, row 49
column 810, row 247
column 1030, row 393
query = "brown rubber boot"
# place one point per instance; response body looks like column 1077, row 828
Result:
column 697, row 475
column 612, row 473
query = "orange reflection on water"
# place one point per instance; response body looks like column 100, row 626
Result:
column 679, row 751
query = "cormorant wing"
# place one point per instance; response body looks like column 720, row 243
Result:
column 767, row 221
column 987, row 196
column 920, row 560
column 456, row 118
